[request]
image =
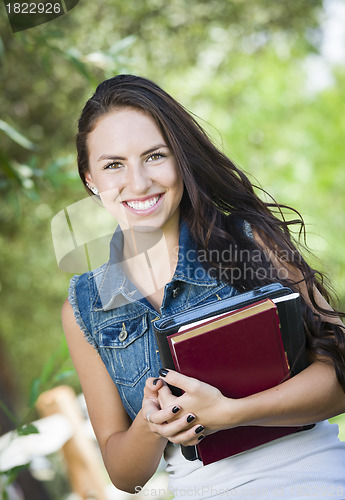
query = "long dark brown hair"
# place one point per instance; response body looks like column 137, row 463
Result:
column 217, row 198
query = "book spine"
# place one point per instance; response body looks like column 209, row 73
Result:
column 173, row 355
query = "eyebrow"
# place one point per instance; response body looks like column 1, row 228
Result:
column 114, row 157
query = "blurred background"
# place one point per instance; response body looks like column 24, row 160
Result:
column 266, row 79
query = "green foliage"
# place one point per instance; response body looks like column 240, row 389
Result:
column 240, row 66
column 8, row 478
column 53, row 373
column 16, row 136
column 27, row 429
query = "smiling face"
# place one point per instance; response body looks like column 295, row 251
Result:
column 134, row 170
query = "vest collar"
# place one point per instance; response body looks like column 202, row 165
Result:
column 114, row 287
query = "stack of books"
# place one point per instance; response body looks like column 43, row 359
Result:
column 241, row 352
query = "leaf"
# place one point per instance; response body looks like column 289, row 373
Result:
column 74, row 57
column 55, row 172
column 34, row 392
column 7, row 167
column 49, row 367
column 2, row 50
column 27, row 429
column 32, row 193
column 50, row 372
column 17, row 137
column 8, row 413
column 122, row 45
column 13, row 200
column 4, row 495
column 13, row 473
column 46, row 62
column 60, row 377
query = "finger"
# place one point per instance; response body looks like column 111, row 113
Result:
column 164, row 387
column 165, row 395
column 152, row 386
column 188, row 437
column 176, row 379
column 164, row 416
column 192, row 442
column 171, row 429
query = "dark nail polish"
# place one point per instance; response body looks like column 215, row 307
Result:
column 201, row 437
column 155, row 381
column 199, row 429
column 163, row 372
column 190, row 418
column 175, row 409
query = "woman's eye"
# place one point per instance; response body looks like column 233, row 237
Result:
column 112, row 166
column 156, row 156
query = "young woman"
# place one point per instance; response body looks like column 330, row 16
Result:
column 191, row 229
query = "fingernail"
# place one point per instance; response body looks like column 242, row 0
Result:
column 201, row 437
column 175, row 409
column 163, row 372
column 155, row 381
column 190, row 418
column 199, row 429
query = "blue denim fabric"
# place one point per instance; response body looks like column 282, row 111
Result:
column 117, row 320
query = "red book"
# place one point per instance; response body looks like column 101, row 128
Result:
column 241, row 353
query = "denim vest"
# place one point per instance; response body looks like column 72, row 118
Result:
column 118, row 321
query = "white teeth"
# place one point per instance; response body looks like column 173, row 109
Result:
column 143, row 205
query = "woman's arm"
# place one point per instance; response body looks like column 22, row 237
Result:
column 131, row 451
column 311, row 396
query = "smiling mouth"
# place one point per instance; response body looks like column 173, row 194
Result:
column 144, row 205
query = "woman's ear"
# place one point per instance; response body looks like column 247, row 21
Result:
column 89, row 182
column 88, row 178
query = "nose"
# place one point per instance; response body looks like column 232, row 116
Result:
column 138, row 179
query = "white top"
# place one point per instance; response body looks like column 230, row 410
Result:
column 305, row 465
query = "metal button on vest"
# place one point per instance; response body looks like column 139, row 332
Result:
column 123, row 334
column 175, row 292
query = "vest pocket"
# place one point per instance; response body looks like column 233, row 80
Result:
column 124, row 348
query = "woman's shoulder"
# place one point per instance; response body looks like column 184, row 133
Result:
column 81, row 289
column 78, row 304
column 78, row 280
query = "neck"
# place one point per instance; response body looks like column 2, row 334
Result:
column 151, row 257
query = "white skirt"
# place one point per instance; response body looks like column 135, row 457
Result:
column 303, row 466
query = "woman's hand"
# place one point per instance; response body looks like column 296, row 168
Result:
column 187, row 418
column 162, row 413
column 150, row 401
column 204, row 401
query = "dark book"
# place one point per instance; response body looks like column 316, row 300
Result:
column 292, row 331
column 290, row 315
column 241, row 353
